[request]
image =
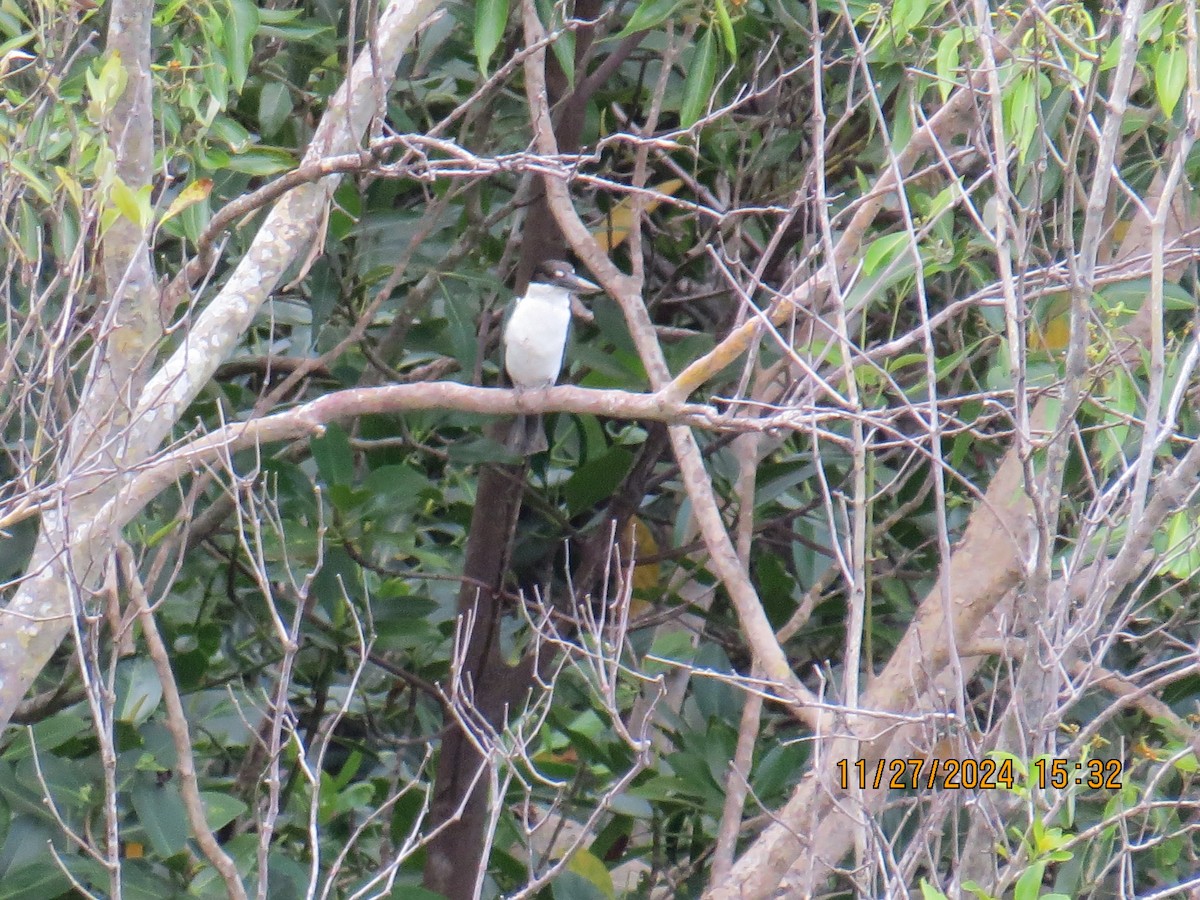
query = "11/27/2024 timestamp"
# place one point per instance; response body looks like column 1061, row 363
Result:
column 977, row 774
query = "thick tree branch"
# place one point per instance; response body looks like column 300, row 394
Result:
column 37, row 619
column 987, row 563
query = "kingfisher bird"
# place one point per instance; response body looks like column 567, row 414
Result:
column 535, row 337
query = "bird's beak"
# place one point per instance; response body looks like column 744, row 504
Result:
column 578, row 284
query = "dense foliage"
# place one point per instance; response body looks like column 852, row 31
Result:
column 998, row 330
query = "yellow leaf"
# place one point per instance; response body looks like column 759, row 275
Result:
column 1050, row 326
column 195, row 192
column 72, row 186
column 1145, row 751
column 615, row 228
column 637, row 538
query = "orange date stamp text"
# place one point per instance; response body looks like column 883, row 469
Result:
column 977, row 774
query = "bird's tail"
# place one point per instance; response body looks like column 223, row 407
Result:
column 526, row 436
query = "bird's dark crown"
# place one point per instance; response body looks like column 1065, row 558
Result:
column 562, row 274
column 552, row 270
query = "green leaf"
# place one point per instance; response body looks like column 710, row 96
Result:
column 261, row 161
column 1029, row 885
column 1170, row 77
column 32, row 180
column 902, row 12
column 979, row 892
column 490, row 18
column 29, row 230
column 1121, row 409
column 221, row 809
column 334, row 458
column 161, row 813
column 138, row 690
column 232, row 134
column 274, row 108
column 73, row 188
column 702, row 74
column 649, row 14
column 398, row 488
column 106, row 86
column 1128, row 296
column 349, row 769
column 929, row 892
column 278, row 16
column 216, row 79
column 946, row 62
column 240, row 29
column 58, row 729
column 883, row 250
column 1187, row 764
column 299, row 33
column 589, row 867
column 1182, row 553
column 16, row 43
column 670, row 647
column 40, row 878
column 596, row 479
column 914, row 13
column 728, row 39
column 1023, row 113
column 563, row 46
column 777, row 769
column 282, row 24
column 133, row 205
column 776, row 588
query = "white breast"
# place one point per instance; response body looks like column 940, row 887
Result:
column 535, row 336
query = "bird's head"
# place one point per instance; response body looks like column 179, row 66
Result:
column 562, row 274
